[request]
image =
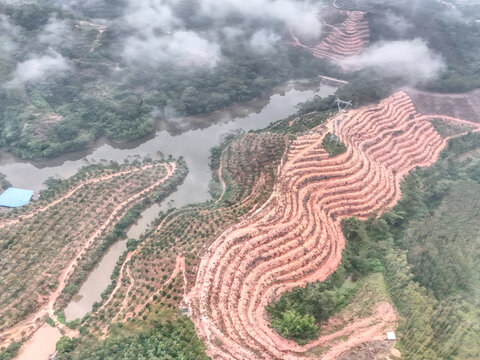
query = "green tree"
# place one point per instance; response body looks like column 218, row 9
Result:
column 65, row 345
column 296, row 326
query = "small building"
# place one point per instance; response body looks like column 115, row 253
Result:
column 391, row 335
column 13, row 197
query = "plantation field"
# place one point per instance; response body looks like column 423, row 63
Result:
column 425, row 247
column 160, row 270
column 296, row 237
column 62, row 234
column 171, row 270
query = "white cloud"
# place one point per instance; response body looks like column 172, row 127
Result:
column 38, row 67
column 183, row 48
column 263, row 40
column 301, row 16
column 7, row 33
column 159, row 37
column 57, row 33
column 150, row 16
column 232, row 33
column 158, row 34
column 411, row 59
column 397, row 22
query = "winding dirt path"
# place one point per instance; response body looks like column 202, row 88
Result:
column 361, row 330
column 30, row 325
column 100, row 29
column 296, row 238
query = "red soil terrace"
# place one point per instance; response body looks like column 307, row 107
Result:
column 347, row 39
column 296, row 237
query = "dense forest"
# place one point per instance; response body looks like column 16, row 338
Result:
column 66, row 79
column 426, row 248
column 83, row 86
column 451, row 30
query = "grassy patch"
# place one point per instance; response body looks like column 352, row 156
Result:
column 368, row 291
column 50, row 321
column 446, row 128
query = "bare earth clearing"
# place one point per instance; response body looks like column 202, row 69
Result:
column 463, row 106
column 345, row 39
column 296, row 238
column 60, row 233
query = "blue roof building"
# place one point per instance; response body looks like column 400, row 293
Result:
column 13, row 197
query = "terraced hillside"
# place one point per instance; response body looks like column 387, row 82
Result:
column 154, row 276
column 296, row 237
column 49, row 241
column 345, row 39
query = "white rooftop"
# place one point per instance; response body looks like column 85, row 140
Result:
column 391, row 335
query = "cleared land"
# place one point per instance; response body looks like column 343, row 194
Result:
column 463, row 106
column 296, row 237
column 345, row 39
column 45, row 243
column 153, row 278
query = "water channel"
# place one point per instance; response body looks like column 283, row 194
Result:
column 194, row 145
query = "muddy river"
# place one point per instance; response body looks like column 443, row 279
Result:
column 194, row 145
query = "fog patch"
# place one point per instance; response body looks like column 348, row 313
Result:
column 263, row 41
column 182, row 48
column 232, row 33
column 38, row 67
column 57, row 33
column 150, row 16
column 7, row 33
column 410, row 59
column 397, row 23
column 159, row 34
column 159, row 37
column 300, row 16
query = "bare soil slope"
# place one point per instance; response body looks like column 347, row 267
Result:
column 154, row 277
column 296, row 238
column 345, row 39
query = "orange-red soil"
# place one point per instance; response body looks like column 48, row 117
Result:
column 346, row 39
column 296, row 238
column 145, row 283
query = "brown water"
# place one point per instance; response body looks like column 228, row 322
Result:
column 41, row 345
column 194, row 145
